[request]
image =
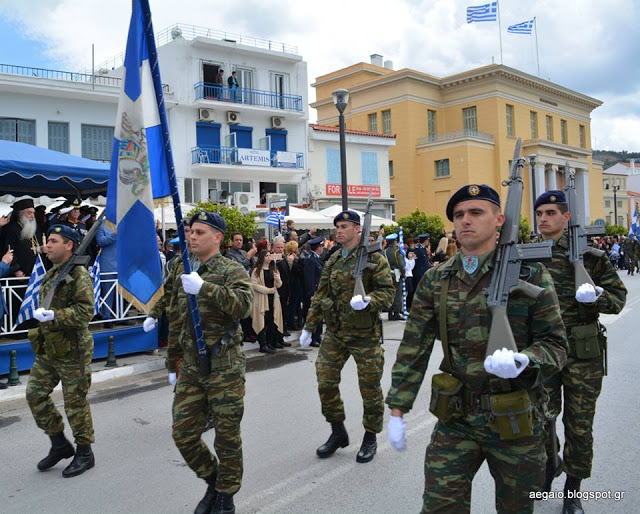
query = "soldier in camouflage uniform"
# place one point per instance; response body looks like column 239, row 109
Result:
column 633, row 252
column 469, row 398
column 224, row 296
column 59, row 342
column 397, row 265
column 353, row 329
column 581, row 379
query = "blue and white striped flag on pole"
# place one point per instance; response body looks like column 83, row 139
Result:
column 521, row 28
column 138, row 173
column 30, row 300
column 635, row 227
column 405, row 313
column 486, row 12
column 275, row 218
column 95, row 277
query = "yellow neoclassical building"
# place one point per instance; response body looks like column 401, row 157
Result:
column 462, row 129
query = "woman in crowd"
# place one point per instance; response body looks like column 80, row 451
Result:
column 440, row 255
column 452, row 247
column 267, row 312
column 295, row 285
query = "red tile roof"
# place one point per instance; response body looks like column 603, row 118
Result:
column 628, row 164
column 327, row 128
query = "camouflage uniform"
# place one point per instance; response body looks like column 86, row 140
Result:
column 351, row 332
column 396, row 262
column 581, row 379
column 459, row 447
column 58, row 345
column 226, row 297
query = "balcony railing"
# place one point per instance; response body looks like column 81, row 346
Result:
column 458, row 134
column 207, row 91
column 226, row 155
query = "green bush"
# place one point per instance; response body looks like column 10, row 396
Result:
column 236, row 221
column 416, row 223
column 616, row 230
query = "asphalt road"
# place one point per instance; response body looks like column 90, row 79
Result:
column 139, row 470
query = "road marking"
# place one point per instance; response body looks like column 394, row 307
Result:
column 609, row 319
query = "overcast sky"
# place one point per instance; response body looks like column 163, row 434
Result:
column 591, row 46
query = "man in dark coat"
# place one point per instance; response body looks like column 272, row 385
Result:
column 422, row 259
column 312, row 272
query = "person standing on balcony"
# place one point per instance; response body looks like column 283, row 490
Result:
column 219, row 84
column 232, row 81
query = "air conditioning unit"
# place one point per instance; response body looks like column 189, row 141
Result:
column 277, row 122
column 205, row 114
column 245, row 202
column 233, row 117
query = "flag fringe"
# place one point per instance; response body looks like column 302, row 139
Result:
column 143, row 307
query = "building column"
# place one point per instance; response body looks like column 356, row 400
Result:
column 582, row 188
column 552, row 182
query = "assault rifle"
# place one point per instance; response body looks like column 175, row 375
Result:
column 578, row 243
column 507, row 262
column 364, row 249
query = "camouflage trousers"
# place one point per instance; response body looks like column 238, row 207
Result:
column 222, row 394
column 580, row 382
column 369, row 356
column 45, row 375
column 458, row 449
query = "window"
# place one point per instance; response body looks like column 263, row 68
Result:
column 291, row 190
column 191, row 190
column 470, row 120
column 533, row 119
column 333, row 166
column 606, row 184
column 390, row 169
column 609, row 220
column 431, row 124
column 369, row 168
column 386, row 122
column 621, row 221
column 549, row 128
column 582, row 137
column 373, row 122
column 563, row 132
column 21, row 131
column 509, row 120
column 59, row 136
column 607, row 204
column 442, row 168
column 235, row 187
column 619, row 204
column 97, row 142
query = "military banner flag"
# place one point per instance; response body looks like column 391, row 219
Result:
column 30, row 300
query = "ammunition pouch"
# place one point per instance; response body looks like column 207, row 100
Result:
column 585, row 341
column 446, row 398
column 36, row 338
column 60, row 343
column 512, row 414
column 362, row 319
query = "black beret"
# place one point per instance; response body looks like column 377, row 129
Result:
column 213, row 219
column 472, row 192
column 553, row 196
column 21, row 205
column 426, row 235
column 314, row 243
column 66, row 232
column 347, row 215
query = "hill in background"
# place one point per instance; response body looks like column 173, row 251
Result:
column 611, row 157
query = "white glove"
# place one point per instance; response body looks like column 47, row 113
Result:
column 503, row 363
column 172, row 379
column 586, row 293
column 305, row 338
column 149, row 324
column 42, row 314
column 192, row 283
column 397, row 433
column 358, row 303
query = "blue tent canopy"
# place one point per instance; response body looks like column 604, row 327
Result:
column 31, row 170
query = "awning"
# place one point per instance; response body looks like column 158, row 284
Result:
column 34, row 171
column 376, row 221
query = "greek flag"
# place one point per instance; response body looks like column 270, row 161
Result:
column 486, row 12
column 30, row 300
column 138, row 171
column 635, row 224
column 521, row 28
column 275, row 218
column 95, row 277
column 405, row 313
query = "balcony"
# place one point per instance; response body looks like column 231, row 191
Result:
column 457, row 135
column 247, row 157
column 243, row 96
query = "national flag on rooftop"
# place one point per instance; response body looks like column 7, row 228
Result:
column 30, row 300
column 95, row 277
column 486, row 12
column 521, row 28
column 138, row 172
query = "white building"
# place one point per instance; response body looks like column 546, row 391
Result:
column 367, row 169
column 250, row 140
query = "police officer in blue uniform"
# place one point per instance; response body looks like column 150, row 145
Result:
column 422, row 259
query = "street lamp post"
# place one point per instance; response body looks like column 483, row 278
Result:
column 615, row 204
column 341, row 99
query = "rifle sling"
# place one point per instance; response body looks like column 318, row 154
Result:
column 444, row 292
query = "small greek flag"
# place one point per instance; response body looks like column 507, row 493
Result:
column 635, row 226
column 95, row 277
column 275, row 218
column 521, row 28
column 486, row 12
column 30, row 300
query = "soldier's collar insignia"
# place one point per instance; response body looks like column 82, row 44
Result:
column 470, row 263
column 202, row 216
column 474, row 190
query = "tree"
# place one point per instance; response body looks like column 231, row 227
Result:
column 416, row 223
column 524, row 233
column 615, row 230
column 236, row 221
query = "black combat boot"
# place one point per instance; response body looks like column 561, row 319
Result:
column 209, row 500
column 265, row 348
column 83, row 461
column 550, row 473
column 61, row 448
column 338, row 439
column 368, row 448
column 572, row 505
column 224, row 504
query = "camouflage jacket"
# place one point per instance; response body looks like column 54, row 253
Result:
column 601, row 272
column 536, row 324
column 225, row 298
column 331, row 300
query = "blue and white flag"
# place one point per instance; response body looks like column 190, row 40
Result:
column 275, row 218
column 486, row 12
column 405, row 313
column 635, row 226
column 521, row 28
column 138, row 172
column 30, row 300
column 95, row 277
